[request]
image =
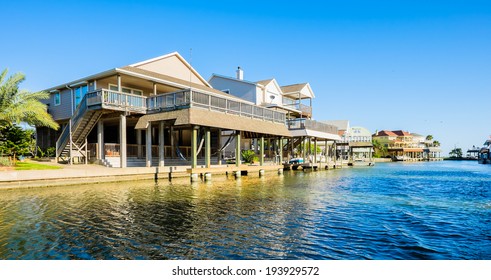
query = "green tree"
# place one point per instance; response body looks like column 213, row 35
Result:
column 380, row 150
column 14, row 141
column 456, row 153
column 18, row 106
column 429, row 137
column 436, row 143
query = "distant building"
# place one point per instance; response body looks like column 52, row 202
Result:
column 405, row 146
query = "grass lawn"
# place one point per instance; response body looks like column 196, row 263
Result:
column 29, row 165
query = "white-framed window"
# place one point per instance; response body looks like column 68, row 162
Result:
column 57, row 98
column 126, row 89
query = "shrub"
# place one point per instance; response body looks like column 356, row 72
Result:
column 249, row 156
column 5, row 161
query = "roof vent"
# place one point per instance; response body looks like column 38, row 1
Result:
column 240, row 73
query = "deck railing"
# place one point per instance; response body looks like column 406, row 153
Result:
column 116, row 100
column 300, row 107
column 193, row 98
column 312, row 125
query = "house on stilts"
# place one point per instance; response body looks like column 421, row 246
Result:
column 162, row 112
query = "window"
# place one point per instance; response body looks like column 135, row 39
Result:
column 57, row 98
column 126, row 90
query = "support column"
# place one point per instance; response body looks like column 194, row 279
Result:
column 100, row 140
column 148, row 145
column 139, row 143
column 335, row 153
column 237, row 149
column 325, row 150
column 172, row 151
column 315, row 150
column 207, row 147
column 281, row 150
column 303, row 149
column 154, row 89
column 219, row 155
column 194, row 146
column 122, row 142
column 261, row 153
column 161, row 143
column 119, row 82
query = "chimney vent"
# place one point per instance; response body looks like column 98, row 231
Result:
column 240, row 73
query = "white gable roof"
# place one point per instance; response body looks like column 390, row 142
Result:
column 298, row 90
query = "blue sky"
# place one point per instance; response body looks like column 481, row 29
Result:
column 421, row 66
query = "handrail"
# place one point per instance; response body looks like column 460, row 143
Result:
column 310, row 124
column 74, row 122
column 193, row 98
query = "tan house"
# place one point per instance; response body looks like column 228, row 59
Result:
column 152, row 113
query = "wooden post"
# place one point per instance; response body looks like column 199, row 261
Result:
column 207, row 147
column 219, row 156
column 139, row 151
column 281, row 150
column 148, row 145
column 261, row 154
column 237, row 149
column 161, row 143
column 100, row 140
column 315, row 150
column 122, row 142
column 194, row 146
column 172, row 151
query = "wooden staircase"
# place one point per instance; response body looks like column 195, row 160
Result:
column 73, row 140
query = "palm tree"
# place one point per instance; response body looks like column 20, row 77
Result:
column 436, row 143
column 429, row 137
column 18, row 106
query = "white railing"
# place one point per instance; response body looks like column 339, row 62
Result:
column 192, row 98
column 310, row 124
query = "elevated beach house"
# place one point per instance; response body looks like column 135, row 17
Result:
column 405, row 146
column 152, row 113
column 295, row 101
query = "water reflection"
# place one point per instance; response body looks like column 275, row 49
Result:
column 378, row 213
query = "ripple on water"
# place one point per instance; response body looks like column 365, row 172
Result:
column 391, row 211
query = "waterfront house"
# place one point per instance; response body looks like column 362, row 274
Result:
column 295, row 101
column 360, row 146
column 405, row 146
column 152, row 113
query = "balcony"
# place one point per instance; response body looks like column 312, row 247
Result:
column 306, row 127
column 119, row 101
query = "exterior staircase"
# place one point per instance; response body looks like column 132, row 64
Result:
column 73, row 139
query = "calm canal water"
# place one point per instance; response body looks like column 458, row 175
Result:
column 436, row 210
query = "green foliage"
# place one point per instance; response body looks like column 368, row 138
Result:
column 436, row 143
column 5, row 161
column 14, row 141
column 18, row 106
column 456, row 153
column 249, row 156
column 48, row 152
column 380, row 150
column 429, row 137
column 34, row 166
